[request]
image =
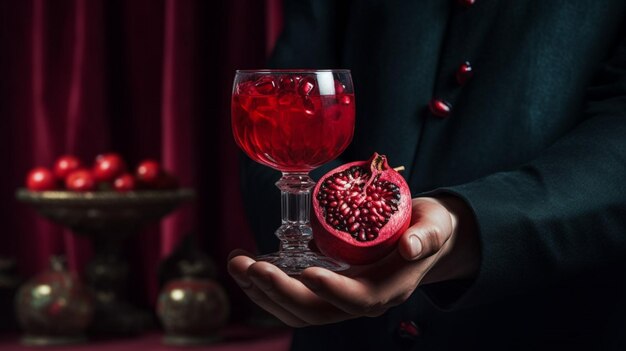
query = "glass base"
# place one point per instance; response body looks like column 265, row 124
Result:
column 295, row 264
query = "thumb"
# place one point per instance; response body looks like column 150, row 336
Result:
column 432, row 225
column 420, row 241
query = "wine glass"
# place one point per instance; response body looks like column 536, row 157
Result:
column 294, row 121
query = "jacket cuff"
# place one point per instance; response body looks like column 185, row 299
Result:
column 501, row 267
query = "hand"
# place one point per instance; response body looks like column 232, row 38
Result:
column 320, row 296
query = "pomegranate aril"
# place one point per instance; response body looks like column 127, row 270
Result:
column 306, row 86
column 350, row 212
column 245, row 88
column 362, row 236
column 344, row 99
column 309, row 107
column 354, row 227
column 265, row 85
column 345, row 211
column 286, row 99
column 287, row 83
column 339, row 87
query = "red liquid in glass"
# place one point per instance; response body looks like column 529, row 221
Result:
column 291, row 130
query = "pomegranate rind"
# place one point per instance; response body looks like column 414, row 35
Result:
column 343, row 246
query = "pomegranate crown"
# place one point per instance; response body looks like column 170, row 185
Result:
column 378, row 162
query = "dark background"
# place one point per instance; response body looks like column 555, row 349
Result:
column 145, row 78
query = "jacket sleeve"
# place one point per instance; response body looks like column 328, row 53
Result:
column 311, row 39
column 559, row 217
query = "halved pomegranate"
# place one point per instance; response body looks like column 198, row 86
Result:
column 363, row 208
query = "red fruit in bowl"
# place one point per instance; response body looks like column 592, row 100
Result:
column 148, row 172
column 40, row 179
column 80, row 180
column 362, row 209
column 125, row 182
column 108, row 167
column 65, row 165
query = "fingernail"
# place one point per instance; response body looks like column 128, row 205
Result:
column 415, row 246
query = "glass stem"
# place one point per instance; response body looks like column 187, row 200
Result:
column 295, row 231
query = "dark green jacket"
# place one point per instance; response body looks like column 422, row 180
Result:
column 535, row 144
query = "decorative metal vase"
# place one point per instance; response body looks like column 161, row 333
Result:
column 185, row 256
column 54, row 308
column 192, row 309
column 109, row 219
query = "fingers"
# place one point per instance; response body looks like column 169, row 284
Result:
column 350, row 295
column 419, row 242
column 432, row 226
column 281, row 295
column 321, row 296
column 239, row 252
column 293, row 296
column 238, row 268
column 372, row 291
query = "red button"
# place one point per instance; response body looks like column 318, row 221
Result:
column 464, row 73
column 466, row 3
column 440, row 108
column 408, row 330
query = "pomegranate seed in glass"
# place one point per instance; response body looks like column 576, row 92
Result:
column 294, row 121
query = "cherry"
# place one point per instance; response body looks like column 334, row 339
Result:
column 40, row 179
column 125, row 182
column 108, row 167
column 80, row 180
column 148, row 172
column 65, row 165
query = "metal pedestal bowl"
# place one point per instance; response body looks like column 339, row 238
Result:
column 108, row 218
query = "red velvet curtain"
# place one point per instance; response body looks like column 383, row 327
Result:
column 145, row 78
